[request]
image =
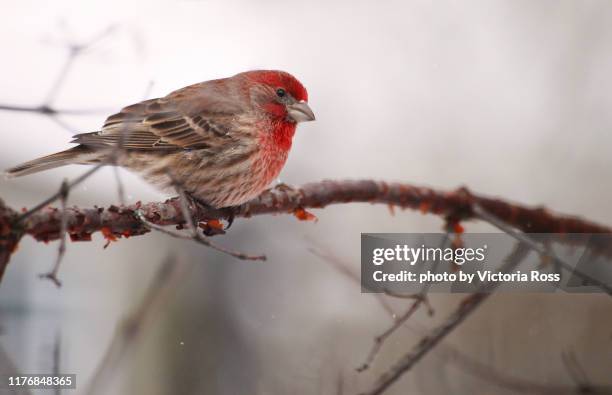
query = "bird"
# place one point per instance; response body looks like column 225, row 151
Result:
column 222, row 141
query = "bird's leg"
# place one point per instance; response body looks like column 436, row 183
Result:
column 227, row 212
column 198, row 201
column 229, row 216
column 189, row 205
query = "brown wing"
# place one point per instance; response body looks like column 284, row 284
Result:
column 186, row 119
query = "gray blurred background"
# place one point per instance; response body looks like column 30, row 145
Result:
column 509, row 98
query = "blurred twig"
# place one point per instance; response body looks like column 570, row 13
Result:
column 479, row 369
column 419, row 299
column 124, row 135
column 195, row 236
column 57, row 354
column 193, row 230
column 327, row 256
column 129, row 332
column 58, row 195
column 52, row 275
column 8, row 368
column 523, row 238
column 518, row 385
column 465, row 308
column 47, row 108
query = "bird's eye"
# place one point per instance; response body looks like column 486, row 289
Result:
column 280, row 92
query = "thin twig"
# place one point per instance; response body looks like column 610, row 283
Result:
column 187, row 215
column 52, row 111
column 398, row 320
column 523, row 238
column 9, row 368
column 129, row 332
column 74, row 51
column 58, row 194
column 112, row 158
column 518, row 385
column 46, row 108
column 474, row 367
column 57, row 354
column 339, row 384
column 120, row 188
column 63, row 124
column 575, row 370
column 420, row 298
column 467, row 306
column 52, row 275
column 148, row 89
column 199, row 239
column 327, row 256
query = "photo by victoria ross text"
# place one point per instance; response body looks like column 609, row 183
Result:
column 486, row 275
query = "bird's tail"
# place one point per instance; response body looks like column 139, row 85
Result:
column 70, row 156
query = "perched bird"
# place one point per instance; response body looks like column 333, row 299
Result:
column 223, row 141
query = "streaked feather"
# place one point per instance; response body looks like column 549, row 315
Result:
column 217, row 138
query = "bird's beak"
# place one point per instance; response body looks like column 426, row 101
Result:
column 300, row 112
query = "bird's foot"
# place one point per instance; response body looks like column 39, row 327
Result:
column 213, row 227
column 228, row 213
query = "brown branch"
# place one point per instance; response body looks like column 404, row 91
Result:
column 114, row 221
column 45, row 225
